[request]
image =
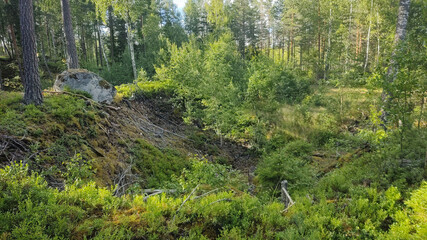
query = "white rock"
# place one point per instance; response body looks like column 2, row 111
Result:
column 81, row 79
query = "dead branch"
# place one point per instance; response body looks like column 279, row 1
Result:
column 221, row 200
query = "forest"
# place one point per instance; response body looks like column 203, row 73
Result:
column 217, row 119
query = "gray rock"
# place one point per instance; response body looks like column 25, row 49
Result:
column 81, row 79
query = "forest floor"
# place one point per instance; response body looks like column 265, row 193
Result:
column 66, row 125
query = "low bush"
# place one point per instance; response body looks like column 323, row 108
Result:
column 156, row 166
column 290, row 163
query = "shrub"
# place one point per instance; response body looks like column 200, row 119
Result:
column 79, row 169
column 202, row 172
column 284, row 165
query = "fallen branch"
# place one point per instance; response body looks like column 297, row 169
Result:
column 221, row 200
column 182, row 204
column 153, row 194
column 150, row 191
column 205, row 194
column 286, row 209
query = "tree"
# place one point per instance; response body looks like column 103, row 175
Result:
column 72, row 60
column 31, row 78
column 402, row 22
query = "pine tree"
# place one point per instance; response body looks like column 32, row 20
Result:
column 31, row 78
column 72, row 60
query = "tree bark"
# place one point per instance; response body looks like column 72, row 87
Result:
column 53, row 42
column 44, row 58
column 349, row 37
column 132, row 51
column 5, row 47
column 111, row 26
column 99, row 43
column 369, row 37
column 329, row 45
column 72, row 60
column 83, row 42
column 1, row 81
column 16, row 49
column 101, row 47
column 378, row 40
column 31, row 78
column 318, row 31
column 402, row 22
column 47, row 35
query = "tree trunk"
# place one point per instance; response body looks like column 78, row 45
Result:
column 329, row 45
column 83, row 42
column 369, row 37
column 349, row 38
column 6, row 48
column 16, row 50
column 402, row 22
column 72, row 60
column 318, row 31
column 111, row 26
column 95, row 44
column 132, row 51
column 53, row 42
column 1, row 81
column 300, row 55
column 98, row 33
column 31, row 78
column 283, row 49
column 378, row 40
column 47, row 36
column 44, row 58
column 289, row 49
column 101, row 47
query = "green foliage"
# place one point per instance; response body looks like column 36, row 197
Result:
column 64, row 108
column 78, row 169
column 30, row 209
column 156, row 166
column 366, row 213
column 11, row 80
column 290, row 163
column 143, row 86
column 13, row 122
column 235, row 98
column 202, row 172
column 412, row 223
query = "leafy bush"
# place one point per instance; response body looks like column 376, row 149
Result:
column 143, row 86
column 286, row 164
column 412, row 223
column 79, row 169
column 202, row 172
column 29, row 209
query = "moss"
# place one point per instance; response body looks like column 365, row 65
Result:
column 155, row 165
column 9, row 100
column 104, row 84
column 13, row 122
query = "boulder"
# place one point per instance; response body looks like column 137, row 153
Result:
column 81, row 79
